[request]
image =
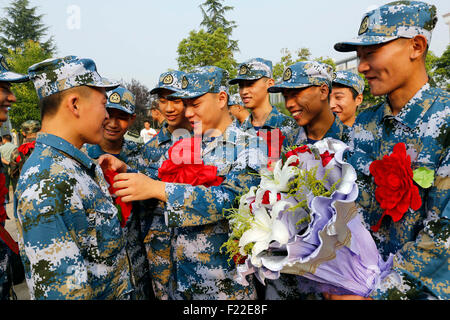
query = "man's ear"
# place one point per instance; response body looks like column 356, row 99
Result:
column 324, row 91
column 223, row 99
column 72, row 102
column 419, row 47
column 270, row 82
column 359, row 99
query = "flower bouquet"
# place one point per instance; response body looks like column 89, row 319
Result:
column 302, row 220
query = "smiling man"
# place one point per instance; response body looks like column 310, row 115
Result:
column 70, row 238
column 7, row 98
column 392, row 45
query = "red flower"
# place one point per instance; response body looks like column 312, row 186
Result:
column 25, row 148
column 326, row 158
column 296, row 152
column 395, row 191
column 239, row 259
column 274, row 140
column 124, row 208
column 266, row 197
column 186, row 166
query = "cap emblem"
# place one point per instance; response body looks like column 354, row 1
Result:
column 115, row 98
column 168, row 79
column 287, row 74
column 364, row 26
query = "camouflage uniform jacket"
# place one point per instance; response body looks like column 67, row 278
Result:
column 70, row 238
column 337, row 131
column 420, row 239
column 197, row 213
column 131, row 155
column 275, row 120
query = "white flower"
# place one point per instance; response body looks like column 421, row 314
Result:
column 265, row 229
column 279, row 180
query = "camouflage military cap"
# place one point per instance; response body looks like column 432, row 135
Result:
column 235, row 99
column 8, row 76
column 55, row 75
column 202, row 80
column 31, row 126
column 122, row 99
column 253, row 69
column 349, row 79
column 171, row 80
column 399, row 19
column 304, row 74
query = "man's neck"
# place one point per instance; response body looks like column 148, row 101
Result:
column 112, row 147
column 319, row 127
column 401, row 96
column 261, row 113
column 221, row 127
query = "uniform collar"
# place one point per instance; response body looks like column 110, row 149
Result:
column 66, row 147
column 164, row 134
column 229, row 136
column 336, row 130
column 411, row 114
column 272, row 121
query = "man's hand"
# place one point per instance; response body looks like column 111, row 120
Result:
column 107, row 161
column 137, row 186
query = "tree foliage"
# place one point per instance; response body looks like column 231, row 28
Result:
column 20, row 24
column 143, row 102
column 27, row 105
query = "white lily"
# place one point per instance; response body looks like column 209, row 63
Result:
column 265, row 229
column 278, row 181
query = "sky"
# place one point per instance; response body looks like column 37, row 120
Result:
column 137, row 39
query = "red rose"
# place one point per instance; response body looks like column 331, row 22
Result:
column 123, row 208
column 395, row 191
column 326, row 158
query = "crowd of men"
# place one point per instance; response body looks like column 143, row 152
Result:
column 75, row 244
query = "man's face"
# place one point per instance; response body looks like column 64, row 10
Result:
column 93, row 114
column 172, row 110
column 385, row 66
column 116, row 125
column 304, row 104
column 204, row 113
column 7, row 98
column 343, row 104
column 254, row 92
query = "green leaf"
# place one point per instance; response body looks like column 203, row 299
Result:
column 424, row 177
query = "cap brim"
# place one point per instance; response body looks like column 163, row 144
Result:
column 186, row 95
column 280, row 87
column 13, row 77
column 118, row 107
column 158, row 89
column 362, row 41
column 238, row 79
column 104, row 83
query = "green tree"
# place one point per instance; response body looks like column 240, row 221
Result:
column 202, row 49
column 143, row 102
column 20, row 24
column 27, row 105
column 441, row 70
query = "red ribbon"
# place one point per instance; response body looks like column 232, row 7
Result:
column 274, row 140
column 25, row 148
column 124, row 208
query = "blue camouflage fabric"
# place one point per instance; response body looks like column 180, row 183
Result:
column 275, row 120
column 8, row 76
column 5, row 281
column 253, row 69
column 70, row 239
column 158, row 235
column 398, row 19
column 337, row 131
column 235, row 99
column 55, row 75
column 121, row 99
column 304, row 74
column 197, row 214
column 131, row 155
column 171, row 80
column 202, row 80
column 349, row 79
column 420, row 239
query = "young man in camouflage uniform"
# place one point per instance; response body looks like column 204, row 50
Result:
column 70, row 238
column 201, row 271
column 254, row 78
column 392, row 46
column 237, row 108
column 121, row 109
column 306, row 87
column 346, row 96
column 7, row 98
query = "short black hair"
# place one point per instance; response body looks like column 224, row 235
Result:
column 6, row 137
column 355, row 93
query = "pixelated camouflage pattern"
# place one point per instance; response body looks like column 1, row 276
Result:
column 55, row 75
column 131, row 155
column 202, row 80
column 253, row 69
column 201, row 269
column 235, row 99
column 398, row 19
column 8, row 76
column 337, row 131
column 420, row 239
column 30, row 126
column 121, row 99
column 304, row 74
column 349, row 79
column 171, row 80
column 70, row 239
column 5, row 254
